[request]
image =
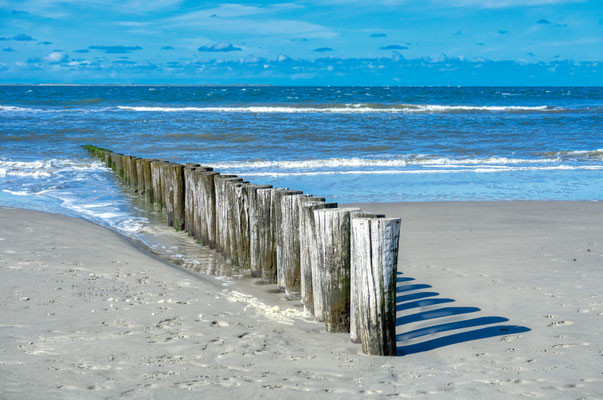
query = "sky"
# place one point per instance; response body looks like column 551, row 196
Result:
column 308, row 42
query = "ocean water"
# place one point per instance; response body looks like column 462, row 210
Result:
column 349, row 144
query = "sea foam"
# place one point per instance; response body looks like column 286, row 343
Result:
column 344, row 109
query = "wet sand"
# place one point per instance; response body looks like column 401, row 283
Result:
column 496, row 299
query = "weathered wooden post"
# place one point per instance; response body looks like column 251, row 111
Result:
column 191, row 197
column 156, row 172
column 265, row 258
column 374, row 247
column 246, row 195
column 259, row 225
column 310, row 259
column 223, row 212
column 114, row 162
column 290, row 254
column 354, row 319
column 108, row 160
column 140, row 176
column 234, row 193
column 119, row 165
column 148, row 180
column 205, row 218
column 132, row 173
column 174, row 181
column 126, row 176
column 277, row 223
column 333, row 276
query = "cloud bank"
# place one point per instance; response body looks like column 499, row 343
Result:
column 218, row 47
column 115, row 49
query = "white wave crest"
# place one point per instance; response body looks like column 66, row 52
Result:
column 368, row 162
column 15, row 109
column 479, row 168
column 24, row 192
column 345, row 109
column 596, row 154
column 46, row 168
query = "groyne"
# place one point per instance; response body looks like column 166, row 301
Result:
column 341, row 263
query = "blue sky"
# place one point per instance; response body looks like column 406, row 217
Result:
column 387, row 42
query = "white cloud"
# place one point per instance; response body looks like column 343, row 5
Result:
column 503, row 3
column 457, row 3
column 239, row 18
column 56, row 57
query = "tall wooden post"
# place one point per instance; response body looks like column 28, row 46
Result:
column 333, row 276
column 174, row 194
column 191, row 196
column 374, row 246
column 277, row 223
column 140, row 176
column 156, row 173
column 310, row 258
column 148, row 180
column 132, row 173
column 354, row 319
column 205, row 215
column 259, row 225
column 223, row 212
column 265, row 260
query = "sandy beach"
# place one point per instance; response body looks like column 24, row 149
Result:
column 496, row 300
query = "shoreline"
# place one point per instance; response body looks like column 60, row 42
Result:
column 528, row 264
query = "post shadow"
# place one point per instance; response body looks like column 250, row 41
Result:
column 410, row 296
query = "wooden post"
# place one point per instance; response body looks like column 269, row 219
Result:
column 108, row 160
column 265, row 258
column 234, row 193
column 276, row 222
column 126, row 176
column 118, row 165
column 223, row 212
column 354, row 319
column 374, row 246
column 259, row 225
column 190, row 197
column 205, row 214
column 246, row 197
column 333, row 278
column 290, row 252
column 114, row 162
column 148, row 180
column 156, row 173
column 140, row 176
column 310, row 259
column 174, row 194
column 132, row 173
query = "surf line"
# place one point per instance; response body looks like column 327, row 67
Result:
column 341, row 263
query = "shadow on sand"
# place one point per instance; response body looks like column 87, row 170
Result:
column 417, row 304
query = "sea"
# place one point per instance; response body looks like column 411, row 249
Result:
column 348, row 144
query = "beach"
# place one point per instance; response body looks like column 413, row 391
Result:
column 495, row 299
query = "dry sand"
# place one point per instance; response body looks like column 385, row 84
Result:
column 496, row 300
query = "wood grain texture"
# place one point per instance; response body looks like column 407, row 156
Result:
column 309, row 256
column 374, row 248
column 333, row 274
column 276, row 222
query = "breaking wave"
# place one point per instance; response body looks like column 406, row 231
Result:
column 348, row 109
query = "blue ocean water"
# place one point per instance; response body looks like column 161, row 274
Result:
column 349, row 144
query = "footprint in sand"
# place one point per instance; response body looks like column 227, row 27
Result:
column 560, row 323
column 566, row 345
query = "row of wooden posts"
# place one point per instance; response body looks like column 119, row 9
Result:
column 340, row 262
